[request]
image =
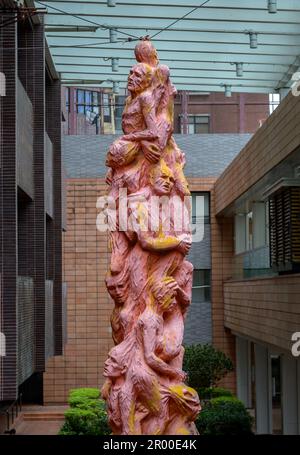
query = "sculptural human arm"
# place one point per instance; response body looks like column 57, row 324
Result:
column 105, row 390
column 150, row 335
column 147, row 108
column 183, row 297
column 164, row 243
column 184, row 277
column 149, row 136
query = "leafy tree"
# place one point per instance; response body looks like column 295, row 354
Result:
column 205, row 365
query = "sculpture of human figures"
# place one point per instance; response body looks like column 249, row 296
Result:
column 149, row 279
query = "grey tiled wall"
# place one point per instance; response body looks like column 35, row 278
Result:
column 206, row 154
column 198, row 324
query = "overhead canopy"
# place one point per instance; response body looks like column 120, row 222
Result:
column 202, row 49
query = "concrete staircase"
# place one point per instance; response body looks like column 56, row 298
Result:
column 40, row 420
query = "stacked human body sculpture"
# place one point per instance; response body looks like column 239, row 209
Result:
column 149, row 279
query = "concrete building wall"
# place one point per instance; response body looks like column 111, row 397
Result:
column 275, row 140
column 266, row 309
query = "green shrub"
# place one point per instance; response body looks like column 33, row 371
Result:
column 86, row 415
column 205, row 365
column 90, row 393
column 206, row 393
column 224, row 416
column 85, row 403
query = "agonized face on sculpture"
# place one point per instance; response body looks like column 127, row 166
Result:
column 164, row 294
column 112, row 368
column 162, row 179
column 117, row 287
column 163, row 76
column 139, row 78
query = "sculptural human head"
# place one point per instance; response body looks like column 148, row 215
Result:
column 118, row 286
column 121, row 153
column 163, row 78
column 115, row 365
column 145, row 52
column 140, row 78
column 164, row 294
column 162, row 178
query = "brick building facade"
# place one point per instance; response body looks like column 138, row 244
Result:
column 194, row 112
column 200, row 113
column 259, row 195
column 31, row 222
column 86, row 259
column 252, row 312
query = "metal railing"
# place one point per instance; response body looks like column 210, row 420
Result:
column 11, row 411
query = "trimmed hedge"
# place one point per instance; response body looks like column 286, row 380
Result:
column 86, row 415
column 206, row 393
column 205, row 365
column 90, row 393
column 224, row 416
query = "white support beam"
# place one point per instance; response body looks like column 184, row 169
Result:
column 263, row 390
column 288, row 5
column 205, row 41
column 289, row 395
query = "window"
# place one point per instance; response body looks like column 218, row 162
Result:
column 201, row 285
column 106, row 108
column 274, row 101
column 251, row 228
column 240, row 233
column 197, row 124
column 200, row 207
column 285, row 230
column 80, row 102
column 249, row 231
column 67, row 94
column 119, row 107
column 260, row 223
column 87, row 100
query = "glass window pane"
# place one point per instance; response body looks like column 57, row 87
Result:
column 200, row 295
column 200, row 205
column 201, row 285
column 88, row 97
column 202, row 128
column 201, row 119
column 107, row 116
column 80, row 96
column 201, row 277
column 95, row 98
column 191, row 129
column 105, row 99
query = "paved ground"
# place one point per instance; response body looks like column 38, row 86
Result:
column 38, row 428
column 40, row 420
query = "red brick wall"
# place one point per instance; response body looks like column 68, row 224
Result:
column 226, row 113
column 86, row 261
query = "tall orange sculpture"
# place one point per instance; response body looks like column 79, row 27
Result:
column 149, row 279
